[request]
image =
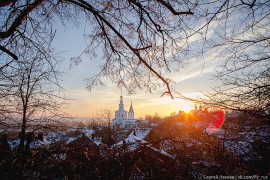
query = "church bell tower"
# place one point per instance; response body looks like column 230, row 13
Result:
column 131, row 112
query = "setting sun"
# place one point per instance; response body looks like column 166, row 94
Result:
column 186, row 107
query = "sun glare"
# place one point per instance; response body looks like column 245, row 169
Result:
column 186, row 107
column 219, row 120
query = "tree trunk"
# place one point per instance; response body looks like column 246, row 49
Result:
column 22, row 133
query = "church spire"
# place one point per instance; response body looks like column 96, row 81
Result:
column 131, row 112
column 131, row 108
column 121, row 104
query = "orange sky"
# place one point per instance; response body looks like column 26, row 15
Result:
column 190, row 80
column 86, row 104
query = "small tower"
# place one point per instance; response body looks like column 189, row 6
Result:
column 200, row 108
column 121, row 105
column 120, row 114
column 131, row 112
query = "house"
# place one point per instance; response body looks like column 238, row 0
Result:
column 82, row 148
column 142, row 159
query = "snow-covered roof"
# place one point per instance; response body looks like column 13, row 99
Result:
column 69, row 140
column 137, row 134
column 141, row 132
column 97, row 141
column 134, row 142
column 240, row 143
column 87, row 132
column 37, row 144
column 14, row 143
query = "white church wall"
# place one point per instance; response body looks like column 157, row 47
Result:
column 123, row 118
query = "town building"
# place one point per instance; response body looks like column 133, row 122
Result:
column 122, row 118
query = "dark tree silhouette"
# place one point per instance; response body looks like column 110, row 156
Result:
column 31, row 96
column 142, row 41
column 135, row 36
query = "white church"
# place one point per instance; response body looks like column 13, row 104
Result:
column 122, row 118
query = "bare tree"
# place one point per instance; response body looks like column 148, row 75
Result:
column 108, row 132
column 142, row 41
column 237, row 33
column 138, row 38
column 32, row 97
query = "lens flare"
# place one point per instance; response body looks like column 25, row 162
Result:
column 217, row 123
